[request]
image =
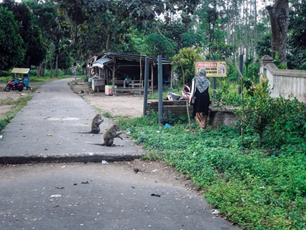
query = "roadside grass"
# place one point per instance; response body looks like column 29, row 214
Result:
column 18, row 105
column 255, row 190
column 47, row 79
column 7, row 102
column 41, row 79
column 104, row 114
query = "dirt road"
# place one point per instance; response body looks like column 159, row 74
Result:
column 123, row 104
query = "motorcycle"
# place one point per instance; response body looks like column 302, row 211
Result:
column 175, row 97
column 14, row 84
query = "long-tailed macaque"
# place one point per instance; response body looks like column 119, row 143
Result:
column 96, row 121
column 111, row 134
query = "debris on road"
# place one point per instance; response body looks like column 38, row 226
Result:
column 56, row 196
column 157, row 195
column 215, row 212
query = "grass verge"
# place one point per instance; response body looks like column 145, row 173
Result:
column 258, row 190
column 18, row 105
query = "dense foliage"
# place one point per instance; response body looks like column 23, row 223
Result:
column 34, row 45
column 58, row 33
column 11, row 43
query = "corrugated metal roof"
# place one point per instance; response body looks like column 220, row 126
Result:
column 102, row 61
column 21, row 70
column 134, row 57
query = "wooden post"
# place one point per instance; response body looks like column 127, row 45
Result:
column 114, row 70
column 171, row 78
column 140, row 69
column 152, row 77
column 145, row 93
column 160, row 89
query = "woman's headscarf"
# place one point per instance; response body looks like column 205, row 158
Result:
column 202, row 83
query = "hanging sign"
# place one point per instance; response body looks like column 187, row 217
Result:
column 213, row 68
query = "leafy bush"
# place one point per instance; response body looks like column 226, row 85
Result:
column 276, row 121
column 5, row 73
column 226, row 94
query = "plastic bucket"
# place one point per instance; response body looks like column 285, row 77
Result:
column 109, row 91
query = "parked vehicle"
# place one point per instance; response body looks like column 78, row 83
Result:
column 175, row 97
column 186, row 92
column 14, row 84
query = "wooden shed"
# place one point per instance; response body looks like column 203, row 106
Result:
column 126, row 71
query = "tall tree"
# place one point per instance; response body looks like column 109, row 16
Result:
column 56, row 31
column 120, row 16
column 183, row 63
column 30, row 33
column 279, row 19
column 11, row 43
column 297, row 40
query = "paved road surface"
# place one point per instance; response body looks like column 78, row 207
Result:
column 49, row 126
column 93, row 196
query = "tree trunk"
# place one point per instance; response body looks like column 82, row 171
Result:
column 108, row 42
column 38, row 74
column 56, row 64
column 255, row 23
column 246, row 29
column 42, row 70
column 279, row 18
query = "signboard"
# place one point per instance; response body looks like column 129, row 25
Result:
column 213, row 68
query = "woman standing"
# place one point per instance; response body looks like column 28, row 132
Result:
column 199, row 91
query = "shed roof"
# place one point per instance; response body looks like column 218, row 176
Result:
column 21, row 70
column 134, row 57
column 102, row 61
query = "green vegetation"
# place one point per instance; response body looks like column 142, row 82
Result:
column 183, row 63
column 18, row 105
column 258, row 179
column 49, row 36
column 254, row 189
column 11, row 43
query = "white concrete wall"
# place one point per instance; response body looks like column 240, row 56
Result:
column 287, row 83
